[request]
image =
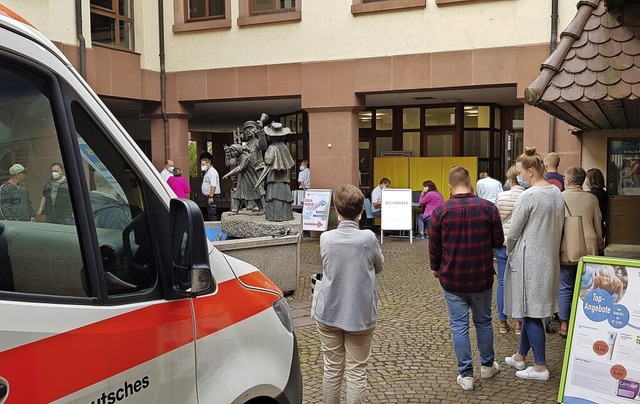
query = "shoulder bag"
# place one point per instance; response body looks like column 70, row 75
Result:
column 573, row 245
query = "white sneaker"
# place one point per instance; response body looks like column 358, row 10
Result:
column 465, row 382
column 510, row 360
column 531, row 374
column 489, row 371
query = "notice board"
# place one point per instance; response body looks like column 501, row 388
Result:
column 315, row 209
column 397, row 213
column 602, row 355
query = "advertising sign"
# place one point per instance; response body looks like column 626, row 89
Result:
column 602, row 358
column 396, row 208
column 315, row 209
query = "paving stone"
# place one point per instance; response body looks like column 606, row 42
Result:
column 412, row 359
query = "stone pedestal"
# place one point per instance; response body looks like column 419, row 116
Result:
column 272, row 247
column 248, row 225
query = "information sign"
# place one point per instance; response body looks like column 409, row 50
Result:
column 315, row 209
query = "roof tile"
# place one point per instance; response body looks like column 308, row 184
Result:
column 610, row 76
column 599, row 36
column 588, row 51
column 576, row 65
column 610, row 20
column 622, row 34
column 621, row 90
column 598, row 63
column 622, row 61
column 552, row 93
column 586, row 78
column 632, row 75
column 563, row 79
column 572, row 93
column 597, row 91
column 631, row 47
column 610, row 48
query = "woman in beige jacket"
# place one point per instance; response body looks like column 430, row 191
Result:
column 585, row 204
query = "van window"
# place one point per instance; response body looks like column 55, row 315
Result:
column 119, row 210
column 39, row 246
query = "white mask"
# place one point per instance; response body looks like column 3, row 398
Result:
column 301, row 168
column 170, row 169
column 204, row 168
column 55, row 175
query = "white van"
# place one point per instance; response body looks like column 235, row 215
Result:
column 123, row 299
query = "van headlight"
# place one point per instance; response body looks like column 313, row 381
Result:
column 284, row 313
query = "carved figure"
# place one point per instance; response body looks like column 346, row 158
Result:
column 278, row 162
column 247, row 178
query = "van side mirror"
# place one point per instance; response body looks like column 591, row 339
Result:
column 191, row 274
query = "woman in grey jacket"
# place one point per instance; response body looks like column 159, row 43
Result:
column 347, row 299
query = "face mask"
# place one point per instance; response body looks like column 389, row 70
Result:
column 522, row 182
column 301, row 168
column 203, row 168
column 55, row 175
column 170, row 169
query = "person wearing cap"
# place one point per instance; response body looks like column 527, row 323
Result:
column 278, row 162
column 15, row 202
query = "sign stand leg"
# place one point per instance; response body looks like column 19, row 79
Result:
column 411, row 236
column 381, row 236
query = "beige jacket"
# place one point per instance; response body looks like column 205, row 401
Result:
column 585, row 204
column 506, row 201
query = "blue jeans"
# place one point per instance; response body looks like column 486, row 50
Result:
column 459, row 305
column 422, row 223
column 501, row 260
column 565, row 290
column 532, row 337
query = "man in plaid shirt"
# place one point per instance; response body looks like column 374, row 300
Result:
column 462, row 235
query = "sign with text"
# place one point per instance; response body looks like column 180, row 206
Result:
column 397, row 213
column 602, row 356
column 315, row 209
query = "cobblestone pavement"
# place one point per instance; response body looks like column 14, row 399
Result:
column 412, row 357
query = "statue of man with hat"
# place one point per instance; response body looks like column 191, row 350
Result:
column 15, row 202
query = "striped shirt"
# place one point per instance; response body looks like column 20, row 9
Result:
column 462, row 234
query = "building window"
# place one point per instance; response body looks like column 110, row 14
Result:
column 374, row 6
column 254, row 12
column 112, row 23
column 198, row 15
column 271, row 6
column 204, row 9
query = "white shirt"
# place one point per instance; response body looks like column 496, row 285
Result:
column 376, row 196
column 305, row 177
column 166, row 174
column 488, row 189
column 211, row 179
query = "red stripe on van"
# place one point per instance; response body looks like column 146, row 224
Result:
column 56, row 366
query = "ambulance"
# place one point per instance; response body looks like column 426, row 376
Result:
column 120, row 297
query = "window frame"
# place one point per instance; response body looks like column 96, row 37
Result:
column 361, row 7
column 115, row 14
column 183, row 24
column 246, row 18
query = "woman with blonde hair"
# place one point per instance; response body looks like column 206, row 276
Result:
column 533, row 267
column 606, row 279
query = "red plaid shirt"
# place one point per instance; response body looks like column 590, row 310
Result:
column 462, row 235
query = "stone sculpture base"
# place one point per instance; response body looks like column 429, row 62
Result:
column 249, row 225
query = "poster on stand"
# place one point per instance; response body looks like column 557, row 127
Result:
column 315, row 209
column 396, row 213
column 602, row 355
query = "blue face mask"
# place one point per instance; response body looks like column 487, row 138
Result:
column 522, row 182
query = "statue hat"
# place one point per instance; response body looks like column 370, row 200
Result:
column 276, row 129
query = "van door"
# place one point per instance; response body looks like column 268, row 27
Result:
column 81, row 308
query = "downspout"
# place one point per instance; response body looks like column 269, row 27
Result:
column 553, row 45
column 81, row 41
column 163, row 81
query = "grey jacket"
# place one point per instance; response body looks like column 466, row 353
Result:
column 347, row 297
column 533, row 244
